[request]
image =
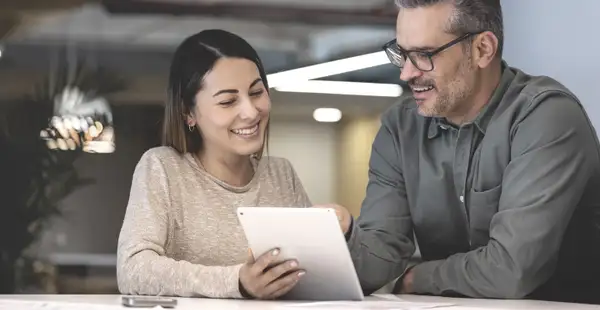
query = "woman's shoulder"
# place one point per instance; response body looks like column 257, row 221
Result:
column 277, row 163
column 278, row 169
column 164, row 155
column 165, row 163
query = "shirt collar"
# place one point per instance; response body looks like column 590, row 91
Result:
column 435, row 125
column 485, row 115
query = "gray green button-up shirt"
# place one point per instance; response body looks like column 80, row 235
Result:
column 506, row 206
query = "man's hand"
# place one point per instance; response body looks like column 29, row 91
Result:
column 265, row 278
column 343, row 215
column 407, row 283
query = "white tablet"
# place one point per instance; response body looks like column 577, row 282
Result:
column 314, row 238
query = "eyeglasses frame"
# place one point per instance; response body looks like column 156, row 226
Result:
column 429, row 54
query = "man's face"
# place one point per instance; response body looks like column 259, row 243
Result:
column 443, row 91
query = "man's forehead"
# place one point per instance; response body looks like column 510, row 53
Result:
column 423, row 27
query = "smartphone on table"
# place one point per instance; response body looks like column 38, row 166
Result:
column 148, row 301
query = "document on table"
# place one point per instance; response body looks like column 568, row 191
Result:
column 8, row 304
column 368, row 304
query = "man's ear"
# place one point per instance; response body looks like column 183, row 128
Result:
column 486, row 48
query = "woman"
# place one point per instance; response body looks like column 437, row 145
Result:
column 180, row 235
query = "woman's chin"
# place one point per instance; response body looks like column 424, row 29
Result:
column 248, row 148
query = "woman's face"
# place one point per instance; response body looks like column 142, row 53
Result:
column 232, row 109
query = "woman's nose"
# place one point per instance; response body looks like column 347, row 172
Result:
column 248, row 110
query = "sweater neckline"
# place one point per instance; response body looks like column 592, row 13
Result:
column 257, row 165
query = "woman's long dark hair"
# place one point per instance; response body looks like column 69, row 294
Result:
column 193, row 59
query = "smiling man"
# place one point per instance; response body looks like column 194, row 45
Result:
column 494, row 171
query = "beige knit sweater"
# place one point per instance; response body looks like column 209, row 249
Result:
column 181, row 235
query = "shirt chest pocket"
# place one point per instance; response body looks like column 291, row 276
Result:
column 483, row 205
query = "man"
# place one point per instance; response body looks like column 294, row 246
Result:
column 495, row 172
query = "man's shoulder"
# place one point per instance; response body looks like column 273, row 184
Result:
column 533, row 89
column 533, row 82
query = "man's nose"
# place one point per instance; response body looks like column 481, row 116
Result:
column 409, row 71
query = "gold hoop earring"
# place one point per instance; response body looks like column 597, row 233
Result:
column 191, row 128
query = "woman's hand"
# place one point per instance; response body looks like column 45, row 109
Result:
column 267, row 278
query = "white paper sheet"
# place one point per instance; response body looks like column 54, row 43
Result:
column 8, row 304
column 367, row 305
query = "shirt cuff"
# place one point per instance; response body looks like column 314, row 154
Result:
column 348, row 234
column 243, row 291
column 352, row 235
column 233, row 283
column 398, row 282
column 423, row 278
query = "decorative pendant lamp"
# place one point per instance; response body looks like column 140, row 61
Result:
column 82, row 118
column 80, row 121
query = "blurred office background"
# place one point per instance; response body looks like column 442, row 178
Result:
column 134, row 40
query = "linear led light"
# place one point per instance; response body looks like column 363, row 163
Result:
column 342, row 88
column 328, row 68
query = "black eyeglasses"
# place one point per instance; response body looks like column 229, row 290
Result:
column 420, row 59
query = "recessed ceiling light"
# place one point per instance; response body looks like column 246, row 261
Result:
column 327, row 115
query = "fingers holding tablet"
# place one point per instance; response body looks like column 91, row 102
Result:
column 267, row 277
column 285, row 228
column 264, row 261
column 284, row 284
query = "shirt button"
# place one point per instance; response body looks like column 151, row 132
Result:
column 462, row 198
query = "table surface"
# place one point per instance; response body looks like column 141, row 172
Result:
column 387, row 302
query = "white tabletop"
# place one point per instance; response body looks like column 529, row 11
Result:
column 381, row 302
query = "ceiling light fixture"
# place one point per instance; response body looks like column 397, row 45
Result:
column 343, row 88
column 328, row 69
column 327, row 115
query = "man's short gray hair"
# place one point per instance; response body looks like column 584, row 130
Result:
column 469, row 16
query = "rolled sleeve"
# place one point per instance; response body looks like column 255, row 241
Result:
column 422, row 279
column 552, row 157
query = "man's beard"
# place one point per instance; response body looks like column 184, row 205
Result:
column 451, row 97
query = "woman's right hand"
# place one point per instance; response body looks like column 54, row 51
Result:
column 263, row 278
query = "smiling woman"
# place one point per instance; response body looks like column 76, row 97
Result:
column 180, row 235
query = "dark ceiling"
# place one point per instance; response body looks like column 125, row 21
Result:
column 384, row 16
column 39, row 54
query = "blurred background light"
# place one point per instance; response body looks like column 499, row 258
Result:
column 327, row 115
